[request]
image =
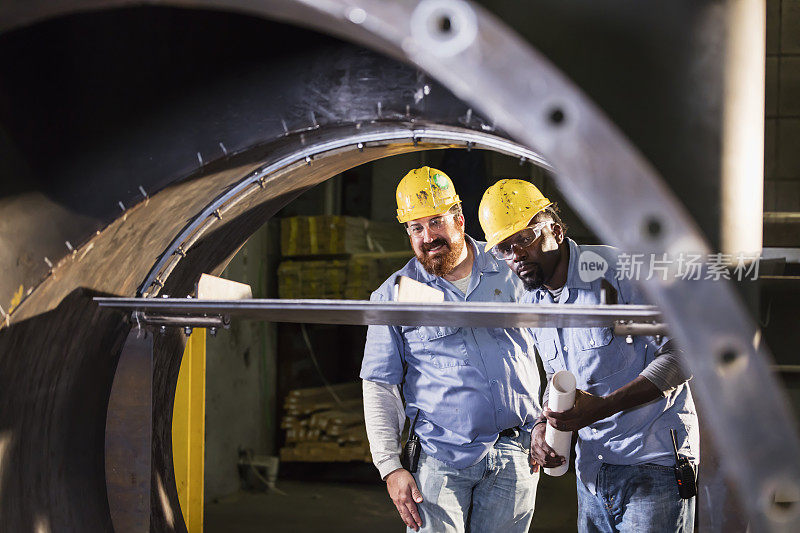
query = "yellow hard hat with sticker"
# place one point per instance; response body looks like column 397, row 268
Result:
column 508, row 207
column 424, row 192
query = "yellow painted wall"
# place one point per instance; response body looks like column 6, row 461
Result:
column 188, row 430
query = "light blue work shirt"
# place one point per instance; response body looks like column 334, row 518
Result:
column 467, row 383
column 602, row 363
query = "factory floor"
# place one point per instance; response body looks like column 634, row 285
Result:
column 353, row 507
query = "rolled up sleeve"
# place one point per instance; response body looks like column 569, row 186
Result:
column 667, row 370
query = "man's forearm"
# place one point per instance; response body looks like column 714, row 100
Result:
column 384, row 417
column 589, row 408
column 639, row 391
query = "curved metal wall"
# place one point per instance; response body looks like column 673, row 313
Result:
column 45, row 401
column 120, row 201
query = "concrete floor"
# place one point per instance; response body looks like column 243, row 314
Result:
column 353, row 507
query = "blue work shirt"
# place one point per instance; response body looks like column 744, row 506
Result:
column 602, row 363
column 467, row 383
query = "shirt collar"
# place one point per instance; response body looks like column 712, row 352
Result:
column 483, row 261
column 574, row 280
column 573, row 276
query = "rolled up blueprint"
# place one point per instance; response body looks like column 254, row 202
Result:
column 562, row 397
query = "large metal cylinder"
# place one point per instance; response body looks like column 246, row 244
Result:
column 141, row 147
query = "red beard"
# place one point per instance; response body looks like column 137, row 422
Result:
column 443, row 262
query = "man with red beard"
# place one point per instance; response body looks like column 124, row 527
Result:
column 471, row 391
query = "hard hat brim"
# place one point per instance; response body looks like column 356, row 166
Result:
column 407, row 215
column 499, row 236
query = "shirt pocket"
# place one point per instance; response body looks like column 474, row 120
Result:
column 442, row 346
column 600, row 356
column 548, row 351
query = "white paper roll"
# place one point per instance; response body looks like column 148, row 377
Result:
column 562, row 397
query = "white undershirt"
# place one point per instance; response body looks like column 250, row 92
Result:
column 384, row 417
column 463, row 283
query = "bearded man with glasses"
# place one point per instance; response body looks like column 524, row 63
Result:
column 631, row 392
column 471, row 391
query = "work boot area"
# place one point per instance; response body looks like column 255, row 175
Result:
column 446, row 265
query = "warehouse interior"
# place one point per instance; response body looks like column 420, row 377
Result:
column 127, row 135
column 335, row 354
column 332, row 354
column 234, row 494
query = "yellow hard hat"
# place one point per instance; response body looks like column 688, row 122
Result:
column 424, row 192
column 507, row 207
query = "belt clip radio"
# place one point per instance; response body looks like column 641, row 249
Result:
column 409, row 458
column 685, row 472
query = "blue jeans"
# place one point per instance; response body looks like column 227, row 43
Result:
column 634, row 498
column 496, row 494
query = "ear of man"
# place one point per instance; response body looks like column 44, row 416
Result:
column 558, row 232
column 550, row 213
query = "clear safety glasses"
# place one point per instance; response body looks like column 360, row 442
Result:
column 523, row 238
column 435, row 225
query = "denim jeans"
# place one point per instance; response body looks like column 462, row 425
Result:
column 496, row 494
column 634, row 498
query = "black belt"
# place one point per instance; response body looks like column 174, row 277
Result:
column 511, row 433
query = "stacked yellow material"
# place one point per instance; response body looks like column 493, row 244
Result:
column 366, row 272
column 339, row 235
column 353, row 278
column 320, row 428
column 325, row 279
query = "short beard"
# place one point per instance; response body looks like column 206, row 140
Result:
column 442, row 263
column 534, row 280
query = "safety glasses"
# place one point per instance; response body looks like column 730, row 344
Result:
column 523, row 238
column 435, row 225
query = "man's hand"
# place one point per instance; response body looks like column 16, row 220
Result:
column 541, row 453
column 588, row 409
column 405, row 495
